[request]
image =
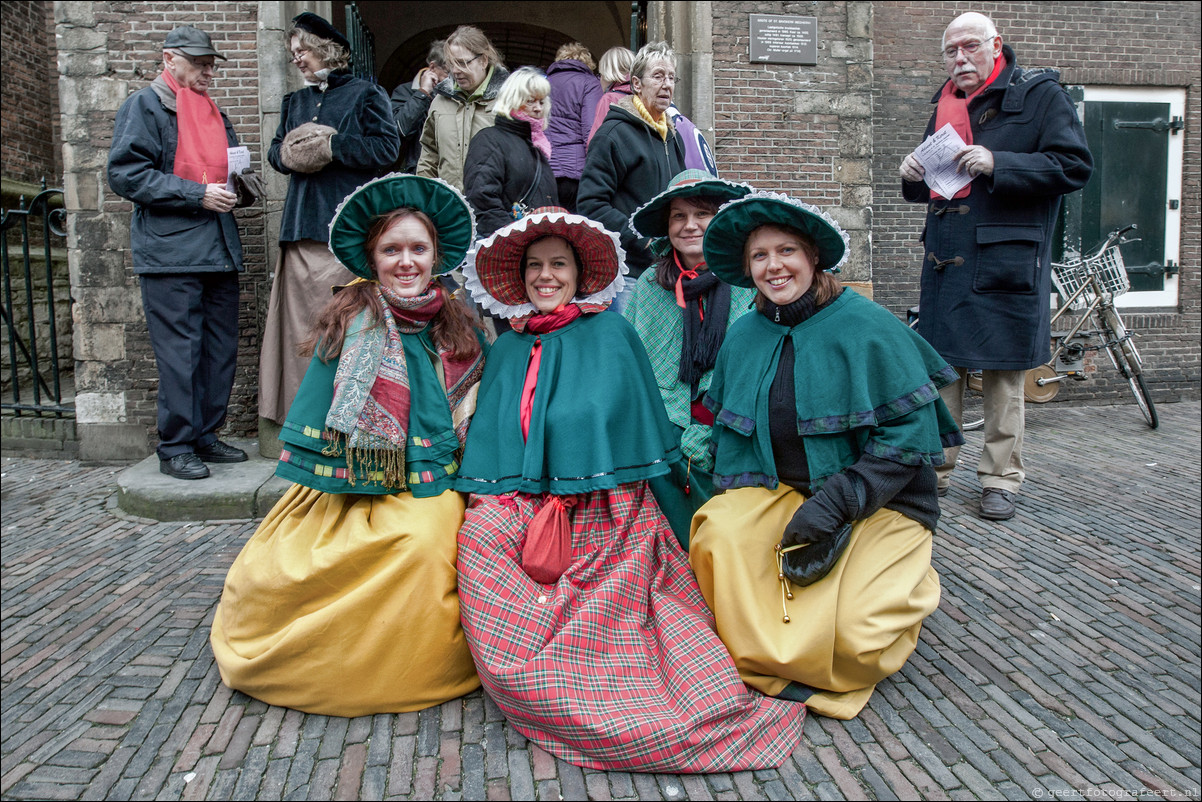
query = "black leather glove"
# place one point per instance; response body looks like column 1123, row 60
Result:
column 822, row 526
column 248, row 187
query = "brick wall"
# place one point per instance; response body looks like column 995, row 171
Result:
column 801, row 130
column 1093, row 43
column 107, row 51
column 28, row 104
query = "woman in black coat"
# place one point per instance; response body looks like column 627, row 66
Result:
column 334, row 135
column 508, row 169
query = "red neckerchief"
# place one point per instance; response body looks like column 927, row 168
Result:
column 541, row 324
column 690, row 275
column 412, row 314
column 200, row 153
column 953, row 109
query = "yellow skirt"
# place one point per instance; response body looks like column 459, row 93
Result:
column 848, row 631
column 347, row 605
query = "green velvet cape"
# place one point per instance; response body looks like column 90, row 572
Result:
column 598, row 420
column 865, row 383
column 431, row 446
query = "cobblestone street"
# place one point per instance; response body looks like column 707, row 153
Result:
column 1063, row 661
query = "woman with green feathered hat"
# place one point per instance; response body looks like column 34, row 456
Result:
column 682, row 311
column 816, row 558
column 344, row 601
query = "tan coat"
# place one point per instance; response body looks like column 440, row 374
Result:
column 450, row 125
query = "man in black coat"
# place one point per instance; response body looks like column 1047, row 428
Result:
column 411, row 103
column 169, row 156
column 986, row 270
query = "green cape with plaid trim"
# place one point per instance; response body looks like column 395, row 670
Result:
column 312, row 456
column 865, row 383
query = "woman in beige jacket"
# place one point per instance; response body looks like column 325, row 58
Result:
column 462, row 106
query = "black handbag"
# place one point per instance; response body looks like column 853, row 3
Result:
column 248, row 187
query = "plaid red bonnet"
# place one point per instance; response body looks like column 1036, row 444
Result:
column 498, row 260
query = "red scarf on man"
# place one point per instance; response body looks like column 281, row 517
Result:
column 200, row 154
column 954, row 109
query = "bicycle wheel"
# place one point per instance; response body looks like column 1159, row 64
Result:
column 1144, row 399
column 972, row 412
column 1125, row 357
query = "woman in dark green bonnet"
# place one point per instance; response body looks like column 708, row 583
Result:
column 682, row 311
column 816, row 560
column 344, row 601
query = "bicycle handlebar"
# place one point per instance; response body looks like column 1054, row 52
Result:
column 1114, row 237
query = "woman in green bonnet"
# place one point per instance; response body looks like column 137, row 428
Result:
column 344, row 601
column 681, row 312
column 816, row 560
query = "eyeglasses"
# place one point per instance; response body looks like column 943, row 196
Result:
column 211, row 64
column 968, row 48
column 297, row 55
column 463, row 65
column 659, row 78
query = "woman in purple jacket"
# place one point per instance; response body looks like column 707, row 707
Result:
column 575, row 92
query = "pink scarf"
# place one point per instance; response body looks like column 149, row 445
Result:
column 953, row 109
column 538, row 126
column 200, row 154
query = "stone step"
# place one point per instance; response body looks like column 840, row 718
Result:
column 239, row 490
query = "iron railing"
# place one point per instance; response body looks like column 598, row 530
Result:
column 23, row 324
column 363, row 44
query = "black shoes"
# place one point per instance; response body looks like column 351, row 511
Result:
column 997, row 504
column 185, row 466
column 192, row 466
column 218, row 451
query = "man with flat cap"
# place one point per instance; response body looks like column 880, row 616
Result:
column 169, row 156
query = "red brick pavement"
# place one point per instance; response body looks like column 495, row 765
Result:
column 1063, row 660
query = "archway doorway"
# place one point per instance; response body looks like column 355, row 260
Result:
column 524, row 32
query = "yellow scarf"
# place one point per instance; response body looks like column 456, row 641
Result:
column 660, row 125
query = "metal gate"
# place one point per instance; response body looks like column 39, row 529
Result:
column 363, row 44
column 30, row 354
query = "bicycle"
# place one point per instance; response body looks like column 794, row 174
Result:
column 973, row 416
column 1088, row 286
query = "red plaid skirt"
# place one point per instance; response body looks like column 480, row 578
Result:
column 618, row 664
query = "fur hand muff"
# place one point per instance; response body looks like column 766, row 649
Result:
column 307, row 148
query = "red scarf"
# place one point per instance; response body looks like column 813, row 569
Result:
column 691, row 275
column 541, row 324
column 547, row 552
column 954, row 109
column 412, row 314
column 200, row 154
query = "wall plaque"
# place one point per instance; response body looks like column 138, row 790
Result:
column 778, row 39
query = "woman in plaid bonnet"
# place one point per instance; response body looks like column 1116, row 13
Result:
column 586, row 625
